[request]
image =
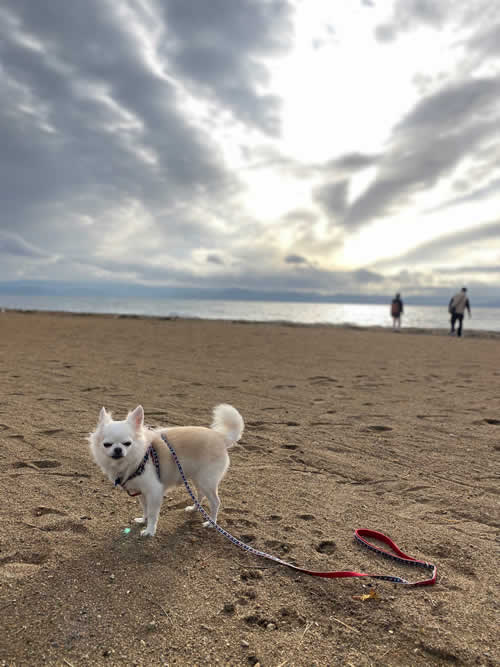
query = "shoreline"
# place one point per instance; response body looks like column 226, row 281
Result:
column 431, row 331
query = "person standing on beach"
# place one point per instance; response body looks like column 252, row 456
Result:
column 456, row 308
column 396, row 311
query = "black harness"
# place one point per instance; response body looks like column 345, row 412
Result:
column 150, row 452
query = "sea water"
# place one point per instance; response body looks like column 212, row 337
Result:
column 363, row 315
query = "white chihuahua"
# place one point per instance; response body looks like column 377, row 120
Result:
column 137, row 459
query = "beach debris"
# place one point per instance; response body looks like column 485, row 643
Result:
column 126, row 531
column 367, row 596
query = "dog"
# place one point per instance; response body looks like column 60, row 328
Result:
column 137, row 458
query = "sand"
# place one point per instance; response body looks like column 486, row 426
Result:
column 345, row 428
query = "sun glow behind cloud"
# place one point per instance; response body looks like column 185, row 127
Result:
column 342, row 91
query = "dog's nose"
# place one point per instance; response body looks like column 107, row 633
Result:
column 117, row 453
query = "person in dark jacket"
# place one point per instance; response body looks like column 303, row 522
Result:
column 396, row 311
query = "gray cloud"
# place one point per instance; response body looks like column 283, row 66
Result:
column 12, row 245
column 354, row 162
column 91, row 132
column 447, row 244
column 113, row 156
column 295, row 259
column 220, row 47
column 332, row 197
column 475, row 269
column 410, row 14
column 214, row 259
column 428, row 144
column 474, row 194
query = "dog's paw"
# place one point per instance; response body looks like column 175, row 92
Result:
column 190, row 508
column 146, row 532
column 140, row 519
column 207, row 524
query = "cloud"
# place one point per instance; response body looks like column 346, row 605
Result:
column 220, row 48
column 332, row 197
column 473, row 194
column 411, row 14
column 295, row 259
column 428, row 144
column 137, row 139
column 96, row 139
column 12, row 246
column 212, row 258
column 354, row 162
column 447, row 244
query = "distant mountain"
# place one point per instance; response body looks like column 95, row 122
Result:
column 138, row 291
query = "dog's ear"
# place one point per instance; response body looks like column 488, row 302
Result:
column 104, row 416
column 136, row 418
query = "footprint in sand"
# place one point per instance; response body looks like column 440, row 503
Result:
column 321, row 379
column 46, row 464
column 241, row 522
column 326, row 547
column 233, row 510
column 63, row 525
column 16, row 565
column 255, row 447
column 43, row 466
column 42, row 510
column 35, row 465
column 284, row 547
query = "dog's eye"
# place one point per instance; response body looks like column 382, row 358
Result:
column 127, row 443
column 107, row 444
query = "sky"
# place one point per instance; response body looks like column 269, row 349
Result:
column 268, row 145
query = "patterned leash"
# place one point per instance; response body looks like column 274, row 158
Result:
column 360, row 536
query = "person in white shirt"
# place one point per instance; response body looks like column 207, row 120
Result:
column 457, row 306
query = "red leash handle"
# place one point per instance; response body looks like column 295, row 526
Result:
column 395, row 554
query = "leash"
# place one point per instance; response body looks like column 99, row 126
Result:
column 360, row 535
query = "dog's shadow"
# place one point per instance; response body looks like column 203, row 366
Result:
column 169, row 543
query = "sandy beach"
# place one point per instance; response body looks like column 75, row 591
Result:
column 345, row 428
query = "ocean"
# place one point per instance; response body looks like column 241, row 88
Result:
column 363, row 315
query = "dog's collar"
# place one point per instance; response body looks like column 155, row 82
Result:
column 150, row 451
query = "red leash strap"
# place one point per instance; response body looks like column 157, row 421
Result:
column 360, row 535
column 395, row 554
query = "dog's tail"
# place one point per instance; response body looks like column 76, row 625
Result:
column 228, row 421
